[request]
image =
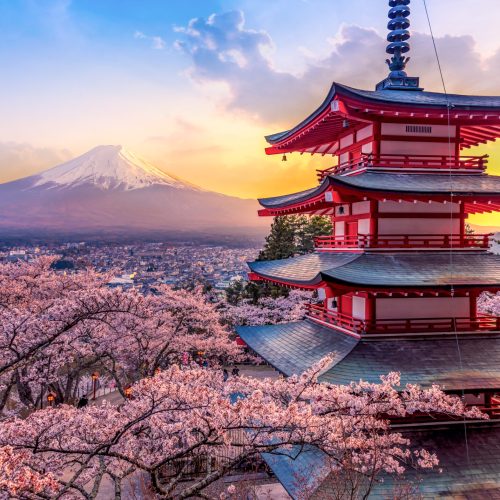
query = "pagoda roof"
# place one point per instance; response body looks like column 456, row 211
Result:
column 467, row 468
column 280, row 345
column 293, row 348
column 327, row 123
column 480, row 192
column 385, row 270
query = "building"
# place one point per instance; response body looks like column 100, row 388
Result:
column 399, row 278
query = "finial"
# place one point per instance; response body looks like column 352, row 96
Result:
column 398, row 37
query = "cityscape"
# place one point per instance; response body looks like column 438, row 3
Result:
column 145, row 265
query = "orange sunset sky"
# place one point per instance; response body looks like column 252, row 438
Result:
column 194, row 86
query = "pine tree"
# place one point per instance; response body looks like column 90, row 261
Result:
column 280, row 243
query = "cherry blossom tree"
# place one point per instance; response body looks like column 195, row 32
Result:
column 268, row 310
column 181, row 418
column 489, row 303
column 57, row 328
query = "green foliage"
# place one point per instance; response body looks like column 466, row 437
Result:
column 289, row 235
column 468, row 229
column 294, row 235
column 253, row 291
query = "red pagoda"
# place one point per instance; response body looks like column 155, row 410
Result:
column 399, row 278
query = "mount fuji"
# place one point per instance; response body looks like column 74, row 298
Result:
column 111, row 191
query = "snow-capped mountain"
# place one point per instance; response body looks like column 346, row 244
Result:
column 111, row 190
column 108, row 167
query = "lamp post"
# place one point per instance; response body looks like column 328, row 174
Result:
column 95, row 376
column 128, row 392
column 51, row 397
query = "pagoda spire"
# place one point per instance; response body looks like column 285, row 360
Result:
column 398, row 46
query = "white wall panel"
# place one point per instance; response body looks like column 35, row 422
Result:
column 424, row 307
column 358, row 307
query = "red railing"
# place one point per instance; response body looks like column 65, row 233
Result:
column 431, row 241
column 395, row 161
column 335, row 319
column 418, row 325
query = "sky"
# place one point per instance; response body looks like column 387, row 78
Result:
column 194, row 85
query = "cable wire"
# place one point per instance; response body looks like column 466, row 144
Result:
column 449, row 106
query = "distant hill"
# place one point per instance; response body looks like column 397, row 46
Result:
column 109, row 190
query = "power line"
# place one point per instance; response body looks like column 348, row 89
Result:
column 449, row 105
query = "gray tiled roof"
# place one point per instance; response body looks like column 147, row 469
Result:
column 303, row 269
column 292, row 348
column 419, row 269
column 426, row 98
column 290, row 199
column 379, row 269
column 468, row 471
column 439, row 184
column 413, row 98
column 424, row 362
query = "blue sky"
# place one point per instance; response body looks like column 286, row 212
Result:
column 197, row 102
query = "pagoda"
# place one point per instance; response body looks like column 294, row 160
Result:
column 398, row 280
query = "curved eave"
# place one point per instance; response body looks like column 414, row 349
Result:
column 321, row 129
column 479, row 193
column 310, row 199
column 325, row 105
column 384, row 271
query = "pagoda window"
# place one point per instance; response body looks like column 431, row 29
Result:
column 342, row 210
column 332, row 304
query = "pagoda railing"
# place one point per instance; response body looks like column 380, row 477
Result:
column 409, row 241
column 413, row 325
column 413, row 162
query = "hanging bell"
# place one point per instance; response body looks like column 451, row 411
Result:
column 284, row 158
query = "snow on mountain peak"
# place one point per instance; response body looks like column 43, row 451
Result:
column 108, row 167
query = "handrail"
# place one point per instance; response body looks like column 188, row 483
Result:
column 402, row 161
column 392, row 241
column 408, row 325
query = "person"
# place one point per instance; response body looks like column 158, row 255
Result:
column 83, row 402
column 225, row 374
column 235, row 372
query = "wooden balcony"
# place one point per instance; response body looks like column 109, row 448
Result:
column 464, row 164
column 482, row 323
column 406, row 241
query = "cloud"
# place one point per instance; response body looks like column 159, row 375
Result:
column 222, row 49
column 157, row 42
column 21, row 159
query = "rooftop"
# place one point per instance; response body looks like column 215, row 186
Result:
column 477, row 115
column 379, row 270
column 468, row 473
column 294, row 347
column 478, row 192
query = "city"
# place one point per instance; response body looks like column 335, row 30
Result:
column 146, row 265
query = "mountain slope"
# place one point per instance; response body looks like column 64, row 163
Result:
column 109, row 189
